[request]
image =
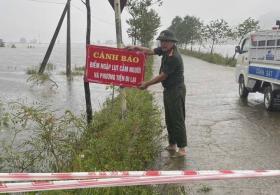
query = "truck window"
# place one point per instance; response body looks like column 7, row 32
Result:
column 271, row 42
column 278, row 42
column 261, row 43
column 245, row 46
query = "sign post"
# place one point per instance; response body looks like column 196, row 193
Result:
column 122, row 3
column 117, row 8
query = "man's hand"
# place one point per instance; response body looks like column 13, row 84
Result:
column 131, row 47
column 143, row 86
column 140, row 48
column 162, row 76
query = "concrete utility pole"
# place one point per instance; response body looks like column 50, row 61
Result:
column 117, row 7
column 50, row 48
column 86, row 84
column 68, row 46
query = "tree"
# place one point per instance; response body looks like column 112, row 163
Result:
column 187, row 29
column 149, row 26
column 216, row 31
column 202, row 37
column 246, row 27
column 193, row 27
column 144, row 21
column 176, row 22
column 178, row 26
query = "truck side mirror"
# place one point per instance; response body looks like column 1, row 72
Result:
column 278, row 23
column 237, row 49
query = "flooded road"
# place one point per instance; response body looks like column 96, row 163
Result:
column 225, row 132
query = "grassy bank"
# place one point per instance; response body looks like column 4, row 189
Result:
column 212, row 58
column 112, row 144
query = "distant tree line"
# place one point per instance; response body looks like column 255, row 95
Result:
column 145, row 21
column 191, row 30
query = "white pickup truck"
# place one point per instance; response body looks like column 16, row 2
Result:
column 258, row 66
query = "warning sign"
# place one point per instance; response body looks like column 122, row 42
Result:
column 120, row 67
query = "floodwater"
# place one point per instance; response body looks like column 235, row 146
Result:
column 224, row 133
column 226, row 50
column 68, row 96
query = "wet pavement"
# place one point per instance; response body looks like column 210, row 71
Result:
column 224, row 132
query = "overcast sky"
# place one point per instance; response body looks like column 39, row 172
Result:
column 37, row 19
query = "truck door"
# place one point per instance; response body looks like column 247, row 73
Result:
column 243, row 58
column 241, row 69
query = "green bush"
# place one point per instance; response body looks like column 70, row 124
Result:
column 112, row 144
column 50, row 67
column 32, row 70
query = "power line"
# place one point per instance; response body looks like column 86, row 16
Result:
column 93, row 17
column 76, row 7
column 49, row 2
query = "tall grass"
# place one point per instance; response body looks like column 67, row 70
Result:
column 34, row 69
column 112, row 144
column 66, row 143
column 212, row 58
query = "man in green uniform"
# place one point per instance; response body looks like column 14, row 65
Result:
column 171, row 76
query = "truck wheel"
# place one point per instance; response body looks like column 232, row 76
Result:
column 243, row 91
column 268, row 98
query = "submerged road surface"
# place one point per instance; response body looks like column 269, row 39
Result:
column 224, row 132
